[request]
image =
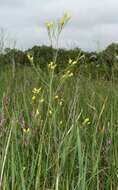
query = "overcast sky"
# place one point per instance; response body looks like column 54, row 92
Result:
column 92, row 20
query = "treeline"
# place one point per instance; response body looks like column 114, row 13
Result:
column 87, row 62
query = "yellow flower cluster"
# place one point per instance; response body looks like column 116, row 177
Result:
column 36, row 91
column 49, row 24
column 68, row 74
column 62, row 21
column 72, row 62
column 54, row 31
column 86, row 121
column 26, row 130
column 65, row 18
column 60, row 100
column 51, row 65
column 67, row 15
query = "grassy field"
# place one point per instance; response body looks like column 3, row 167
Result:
column 57, row 131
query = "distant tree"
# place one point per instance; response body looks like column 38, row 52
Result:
column 108, row 56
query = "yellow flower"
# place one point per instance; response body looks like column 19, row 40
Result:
column 41, row 100
column 70, row 75
column 56, row 97
column 52, row 65
column 86, row 121
column 62, row 21
column 61, row 122
column 26, row 130
column 66, row 14
column 47, row 24
column 50, row 112
column 67, row 74
column 61, row 102
column 74, row 62
column 70, row 16
column 31, row 59
column 28, row 56
column 23, row 169
column 51, row 23
column 33, row 97
column 36, row 91
column 37, row 113
column 70, row 61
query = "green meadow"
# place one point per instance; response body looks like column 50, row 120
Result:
column 57, row 130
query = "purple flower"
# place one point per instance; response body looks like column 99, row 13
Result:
column 5, row 100
column 2, row 121
column 108, row 142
